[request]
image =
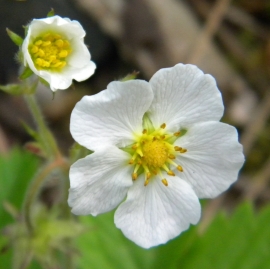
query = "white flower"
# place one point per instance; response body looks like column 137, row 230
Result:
column 159, row 146
column 54, row 50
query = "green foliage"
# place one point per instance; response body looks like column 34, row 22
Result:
column 241, row 241
column 130, row 76
column 26, row 73
column 104, row 246
column 19, row 89
column 14, row 37
column 51, row 13
column 238, row 241
column 16, row 171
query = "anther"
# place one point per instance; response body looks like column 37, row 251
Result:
column 34, row 49
column 183, row 150
column 146, row 182
column 134, row 176
column 176, row 148
column 131, row 161
column 164, row 181
column 39, row 61
column 180, row 168
column 162, row 137
column 163, row 125
column 171, row 173
column 56, row 36
column 39, row 42
column 63, row 53
column 59, row 43
column 41, row 53
column 134, row 146
column 148, row 175
column 171, row 156
column 176, row 133
column 144, row 131
column 63, row 63
column 46, row 43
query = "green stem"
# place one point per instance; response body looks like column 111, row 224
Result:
column 36, row 186
column 46, row 137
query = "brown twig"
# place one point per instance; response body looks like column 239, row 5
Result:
column 256, row 124
column 215, row 17
column 260, row 181
column 3, row 142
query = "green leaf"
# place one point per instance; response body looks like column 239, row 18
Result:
column 130, row 76
column 241, row 241
column 16, row 171
column 19, row 89
column 27, row 72
column 51, row 13
column 44, row 82
column 104, row 246
column 77, row 152
column 14, row 37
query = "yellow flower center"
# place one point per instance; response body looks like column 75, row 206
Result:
column 153, row 153
column 49, row 51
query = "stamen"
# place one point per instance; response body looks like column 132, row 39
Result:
column 164, row 181
column 135, row 146
column 165, row 168
column 163, row 126
column 59, row 43
column 139, row 151
column 134, row 176
column 154, row 154
column 180, row 168
column 49, row 51
column 171, row 173
column 137, row 168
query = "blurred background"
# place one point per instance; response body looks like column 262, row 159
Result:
column 227, row 39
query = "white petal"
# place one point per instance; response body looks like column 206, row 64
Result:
column 63, row 26
column 154, row 214
column 99, row 182
column 184, row 95
column 57, row 81
column 85, row 72
column 63, row 80
column 111, row 116
column 213, row 158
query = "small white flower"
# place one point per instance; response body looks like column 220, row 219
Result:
column 54, row 50
column 159, row 146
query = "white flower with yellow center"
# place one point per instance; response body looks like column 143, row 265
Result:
column 158, row 147
column 54, row 50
